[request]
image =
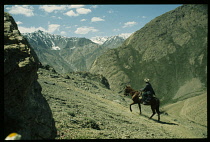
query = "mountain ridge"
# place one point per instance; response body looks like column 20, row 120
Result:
column 170, row 50
column 67, row 54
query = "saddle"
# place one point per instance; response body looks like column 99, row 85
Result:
column 148, row 100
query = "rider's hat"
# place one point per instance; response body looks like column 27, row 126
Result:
column 146, row 79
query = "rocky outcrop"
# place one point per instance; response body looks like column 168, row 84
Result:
column 26, row 111
column 171, row 50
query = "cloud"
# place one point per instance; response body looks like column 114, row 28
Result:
column 71, row 13
column 30, row 30
column 125, row 35
column 78, row 11
column 143, row 17
column 83, row 11
column 51, row 8
column 129, row 24
column 116, row 30
column 18, row 22
column 63, row 33
column 94, row 6
column 83, row 20
column 56, row 17
column 85, row 30
column 21, row 9
column 53, row 27
column 96, row 19
column 76, row 6
column 110, row 11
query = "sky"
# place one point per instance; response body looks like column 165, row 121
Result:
column 85, row 20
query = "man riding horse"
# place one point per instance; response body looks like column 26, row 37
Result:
column 148, row 92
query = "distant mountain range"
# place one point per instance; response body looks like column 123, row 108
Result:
column 70, row 54
column 102, row 39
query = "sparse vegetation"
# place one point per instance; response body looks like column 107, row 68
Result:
column 71, row 114
column 100, row 113
column 90, row 123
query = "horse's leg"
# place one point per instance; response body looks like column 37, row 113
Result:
column 131, row 105
column 153, row 110
column 139, row 107
column 157, row 110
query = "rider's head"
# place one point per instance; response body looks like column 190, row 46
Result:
column 146, row 80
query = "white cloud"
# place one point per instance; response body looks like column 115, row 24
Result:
column 18, row 22
column 71, row 13
column 116, row 30
column 51, row 8
column 21, row 9
column 96, row 19
column 83, row 20
column 30, row 30
column 129, row 24
column 79, row 11
column 63, row 33
column 94, row 6
column 110, row 11
column 53, row 27
column 76, row 6
column 143, row 17
column 56, row 17
column 125, row 35
column 83, row 11
column 85, row 30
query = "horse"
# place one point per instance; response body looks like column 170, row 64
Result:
column 155, row 102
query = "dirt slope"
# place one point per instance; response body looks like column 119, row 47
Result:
column 99, row 113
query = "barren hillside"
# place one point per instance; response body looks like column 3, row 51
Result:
column 84, row 108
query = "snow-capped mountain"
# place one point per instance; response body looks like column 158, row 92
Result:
column 62, row 53
column 50, row 41
column 70, row 53
column 124, row 35
column 101, row 39
column 113, row 42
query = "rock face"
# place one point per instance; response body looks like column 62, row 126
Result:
column 171, row 50
column 26, row 111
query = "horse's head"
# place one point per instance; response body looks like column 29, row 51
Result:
column 127, row 90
